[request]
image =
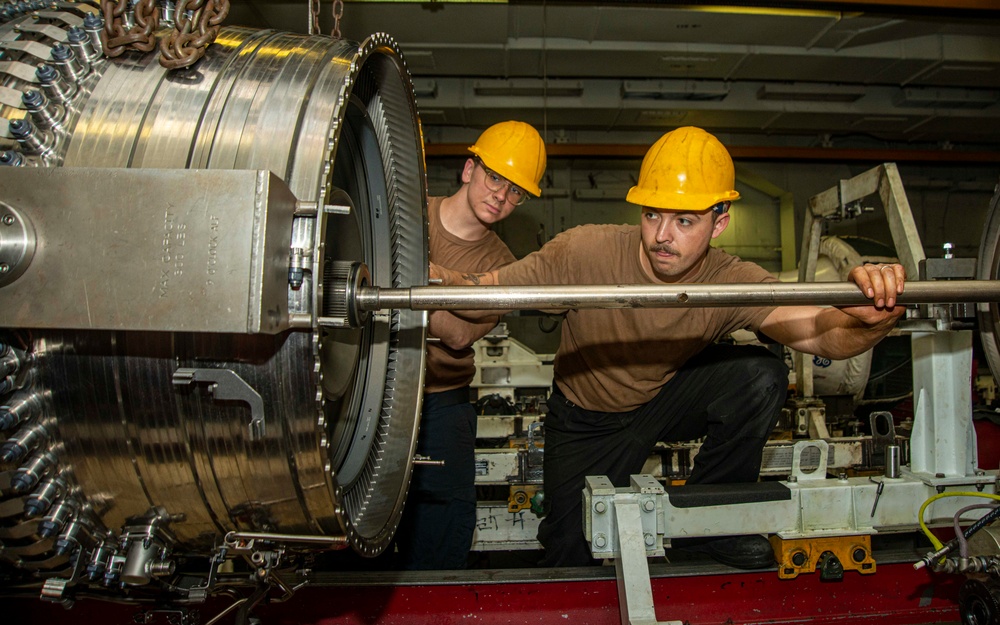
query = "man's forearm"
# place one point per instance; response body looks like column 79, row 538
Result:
column 450, row 277
column 828, row 332
column 841, row 336
column 458, row 333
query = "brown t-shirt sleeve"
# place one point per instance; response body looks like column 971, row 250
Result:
column 732, row 270
column 561, row 261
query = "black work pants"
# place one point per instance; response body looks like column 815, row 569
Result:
column 731, row 395
column 440, row 514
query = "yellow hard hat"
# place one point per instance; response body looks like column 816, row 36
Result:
column 514, row 150
column 688, row 169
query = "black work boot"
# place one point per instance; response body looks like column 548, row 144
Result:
column 742, row 552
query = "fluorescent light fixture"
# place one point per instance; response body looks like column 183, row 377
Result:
column 689, row 59
column 810, row 92
column 660, row 116
column 425, row 87
column 419, row 60
column 943, row 97
column 776, row 12
column 433, row 116
column 692, row 90
column 528, row 87
column 426, row 2
column 881, row 119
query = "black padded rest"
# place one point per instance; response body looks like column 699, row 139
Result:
column 701, row 495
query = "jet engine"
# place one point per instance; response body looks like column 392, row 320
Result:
column 181, row 382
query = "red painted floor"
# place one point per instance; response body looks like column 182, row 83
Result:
column 895, row 595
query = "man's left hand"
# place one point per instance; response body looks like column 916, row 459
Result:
column 882, row 283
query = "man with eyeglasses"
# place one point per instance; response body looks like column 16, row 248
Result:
column 506, row 165
column 628, row 378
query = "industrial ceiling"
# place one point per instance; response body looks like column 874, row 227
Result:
column 918, row 74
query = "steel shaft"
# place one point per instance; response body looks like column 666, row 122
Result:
column 664, row 296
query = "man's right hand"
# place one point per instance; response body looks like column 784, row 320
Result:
column 436, row 274
column 450, row 277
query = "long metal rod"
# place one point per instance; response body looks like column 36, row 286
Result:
column 664, row 296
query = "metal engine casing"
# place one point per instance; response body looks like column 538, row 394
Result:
column 130, row 414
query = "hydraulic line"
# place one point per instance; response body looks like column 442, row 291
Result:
column 963, row 540
column 943, row 549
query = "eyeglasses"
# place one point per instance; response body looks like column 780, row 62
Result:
column 495, row 182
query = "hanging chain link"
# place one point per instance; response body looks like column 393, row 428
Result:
column 314, row 17
column 197, row 24
column 338, row 12
column 115, row 39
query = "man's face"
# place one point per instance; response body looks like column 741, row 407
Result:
column 674, row 243
column 491, row 196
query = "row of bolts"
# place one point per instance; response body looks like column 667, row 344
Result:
column 54, row 501
column 52, row 495
column 58, row 86
column 65, row 519
column 10, row 10
column 72, row 63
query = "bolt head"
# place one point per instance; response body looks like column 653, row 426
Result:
column 20, row 128
column 600, row 507
column 4, row 268
column 8, row 220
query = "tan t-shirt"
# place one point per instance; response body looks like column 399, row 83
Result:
column 448, row 368
column 615, row 360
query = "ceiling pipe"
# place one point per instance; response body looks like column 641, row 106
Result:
column 750, row 153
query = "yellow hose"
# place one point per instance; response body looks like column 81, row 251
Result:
column 923, row 526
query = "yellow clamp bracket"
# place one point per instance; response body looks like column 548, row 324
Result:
column 831, row 556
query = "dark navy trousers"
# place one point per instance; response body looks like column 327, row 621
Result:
column 440, row 513
column 731, row 395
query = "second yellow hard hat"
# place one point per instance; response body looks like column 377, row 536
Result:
column 514, row 150
column 688, row 169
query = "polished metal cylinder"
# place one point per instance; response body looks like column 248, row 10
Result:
column 334, row 542
column 892, row 461
column 664, row 296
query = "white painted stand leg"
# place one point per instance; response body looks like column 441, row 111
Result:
column 943, row 443
column 635, row 592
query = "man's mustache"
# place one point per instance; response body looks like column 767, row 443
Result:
column 664, row 248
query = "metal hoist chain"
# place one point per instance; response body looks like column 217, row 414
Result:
column 197, row 24
column 118, row 36
column 338, row 12
column 314, row 17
